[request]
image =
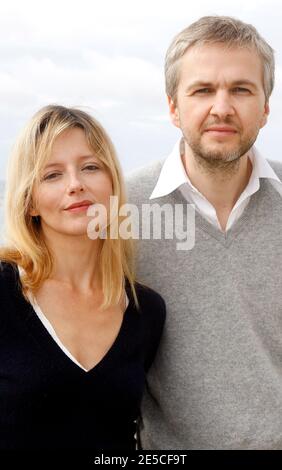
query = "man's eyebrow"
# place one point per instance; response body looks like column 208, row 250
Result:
column 201, row 84
column 82, row 157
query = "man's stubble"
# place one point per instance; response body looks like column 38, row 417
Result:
column 225, row 162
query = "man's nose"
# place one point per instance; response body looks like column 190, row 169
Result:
column 222, row 105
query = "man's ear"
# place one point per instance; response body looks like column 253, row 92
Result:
column 265, row 115
column 173, row 111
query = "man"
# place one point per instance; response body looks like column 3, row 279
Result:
column 217, row 380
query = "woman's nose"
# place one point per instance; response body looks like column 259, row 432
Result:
column 75, row 184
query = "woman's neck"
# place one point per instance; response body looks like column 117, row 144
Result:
column 75, row 260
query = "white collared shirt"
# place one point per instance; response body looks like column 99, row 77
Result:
column 174, row 176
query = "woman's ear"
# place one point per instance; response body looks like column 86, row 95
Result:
column 32, row 210
column 33, row 213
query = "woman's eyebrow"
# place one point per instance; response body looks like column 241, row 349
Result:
column 82, row 157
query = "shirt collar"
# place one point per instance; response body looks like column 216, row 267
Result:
column 173, row 174
column 261, row 167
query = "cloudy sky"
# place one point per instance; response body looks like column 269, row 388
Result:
column 107, row 56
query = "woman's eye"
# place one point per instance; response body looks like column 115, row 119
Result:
column 91, row 167
column 50, row 176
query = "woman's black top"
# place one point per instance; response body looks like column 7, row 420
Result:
column 49, row 402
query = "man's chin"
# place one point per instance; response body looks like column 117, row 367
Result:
column 223, row 156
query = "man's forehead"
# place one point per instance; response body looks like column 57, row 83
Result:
column 211, row 62
column 208, row 55
column 228, row 48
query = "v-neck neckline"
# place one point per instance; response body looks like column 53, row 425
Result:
column 51, row 330
column 47, row 343
column 225, row 238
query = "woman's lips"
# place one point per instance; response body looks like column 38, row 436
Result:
column 82, row 208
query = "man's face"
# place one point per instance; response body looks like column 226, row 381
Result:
column 222, row 90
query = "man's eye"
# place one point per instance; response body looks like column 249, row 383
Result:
column 203, row 90
column 241, row 90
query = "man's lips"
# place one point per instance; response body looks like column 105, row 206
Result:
column 221, row 130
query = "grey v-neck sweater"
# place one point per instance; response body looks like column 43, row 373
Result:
column 216, row 382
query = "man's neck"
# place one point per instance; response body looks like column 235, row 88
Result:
column 221, row 186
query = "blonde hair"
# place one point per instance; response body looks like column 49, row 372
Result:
column 25, row 245
column 222, row 30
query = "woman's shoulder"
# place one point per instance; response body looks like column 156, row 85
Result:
column 153, row 315
column 9, row 288
column 9, row 275
column 151, row 303
column 147, row 294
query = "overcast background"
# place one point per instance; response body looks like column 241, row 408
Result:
column 107, row 56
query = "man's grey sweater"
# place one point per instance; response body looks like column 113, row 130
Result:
column 216, row 382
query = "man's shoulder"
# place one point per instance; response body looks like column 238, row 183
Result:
column 148, row 172
column 277, row 167
column 141, row 182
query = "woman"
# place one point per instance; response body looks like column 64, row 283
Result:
column 77, row 333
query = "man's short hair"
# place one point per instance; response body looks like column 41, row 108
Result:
column 225, row 30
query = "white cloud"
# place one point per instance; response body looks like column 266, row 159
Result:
column 108, row 56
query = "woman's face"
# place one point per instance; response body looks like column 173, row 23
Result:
column 73, row 175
